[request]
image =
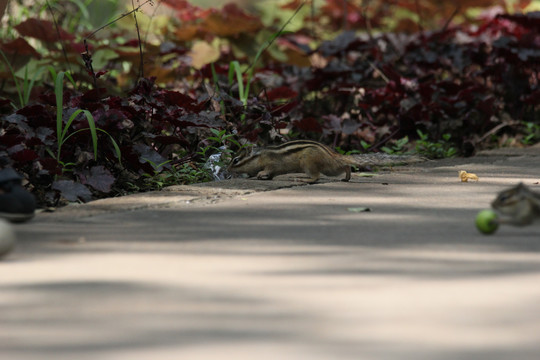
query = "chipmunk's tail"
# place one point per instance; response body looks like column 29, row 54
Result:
column 383, row 159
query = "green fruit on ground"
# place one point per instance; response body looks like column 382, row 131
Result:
column 486, row 221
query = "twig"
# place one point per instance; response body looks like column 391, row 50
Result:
column 313, row 18
column 456, row 11
column 59, row 37
column 367, row 20
column 378, row 71
column 386, row 139
column 420, row 18
column 279, row 32
column 87, row 58
column 141, row 66
column 150, row 23
column 497, row 128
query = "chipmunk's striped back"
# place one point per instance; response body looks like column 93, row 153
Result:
column 295, row 146
column 306, row 156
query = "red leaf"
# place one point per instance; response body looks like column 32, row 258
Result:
column 5, row 104
column 72, row 191
column 148, row 154
column 181, row 100
column 19, row 46
column 49, row 166
column 99, row 178
column 94, row 95
column 185, row 11
column 293, row 5
column 101, row 73
column 231, row 21
column 43, row 30
column 284, row 108
column 167, row 140
column 531, row 21
column 25, row 155
column 10, row 140
column 308, row 124
column 282, row 92
column 532, row 99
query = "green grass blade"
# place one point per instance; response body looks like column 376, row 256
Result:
column 52, row 72
column 70, row 78
column 114, row 144
column 91, row 127
column 214, row 74
column 82, row 8
column 26, row 92
column 36, row 76
column 238, row 72
column 93, row 132
column 21, row 100
column 59, row 93
column 70, row 121
column 231, row 72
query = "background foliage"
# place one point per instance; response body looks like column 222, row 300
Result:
column 153, row 88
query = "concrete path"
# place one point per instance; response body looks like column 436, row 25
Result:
column 229, row 271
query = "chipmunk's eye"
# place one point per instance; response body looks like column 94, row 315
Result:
column 235, row 160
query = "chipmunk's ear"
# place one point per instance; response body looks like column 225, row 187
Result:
column 248, row 150
column 522, row 188
column 243, row 152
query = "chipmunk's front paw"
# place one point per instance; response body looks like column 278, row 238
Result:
column 264, row 176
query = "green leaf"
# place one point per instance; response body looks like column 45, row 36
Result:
column 387, row 150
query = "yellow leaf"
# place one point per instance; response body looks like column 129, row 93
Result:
column 202, row 54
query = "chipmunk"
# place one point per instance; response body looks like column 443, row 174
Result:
column 310, row 157
column 519, row 203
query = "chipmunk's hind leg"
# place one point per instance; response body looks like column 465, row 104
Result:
column 313, row 173
column 347, row 174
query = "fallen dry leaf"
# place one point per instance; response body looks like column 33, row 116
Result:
column 203, row 53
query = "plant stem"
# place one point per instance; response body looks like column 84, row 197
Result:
column 59, row 37
column 118, row 18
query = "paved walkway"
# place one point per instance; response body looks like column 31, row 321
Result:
column 230, row 271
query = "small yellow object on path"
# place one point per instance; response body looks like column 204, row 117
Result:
column 465, row 176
